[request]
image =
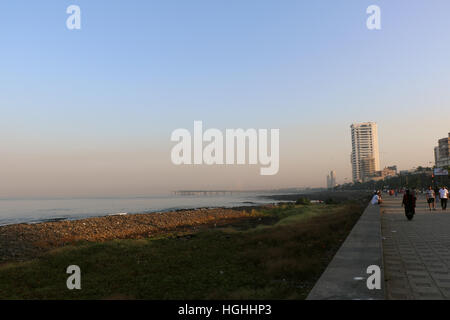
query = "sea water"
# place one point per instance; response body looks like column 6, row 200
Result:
column 14, row 211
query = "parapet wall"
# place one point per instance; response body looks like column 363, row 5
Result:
column 345, row 278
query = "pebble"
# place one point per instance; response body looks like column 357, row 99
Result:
column 26, row 241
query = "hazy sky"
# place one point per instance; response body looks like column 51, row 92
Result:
column 91, row 111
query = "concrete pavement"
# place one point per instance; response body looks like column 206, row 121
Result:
column 416, row 253
column 346, row 275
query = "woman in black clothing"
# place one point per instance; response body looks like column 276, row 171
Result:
column 409, row 202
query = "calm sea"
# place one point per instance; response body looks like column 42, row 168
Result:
column 14, row 211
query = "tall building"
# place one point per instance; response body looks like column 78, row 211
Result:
column 442, row 153
column 331, row 180
column 365, row 156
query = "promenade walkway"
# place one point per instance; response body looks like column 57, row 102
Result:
column 346, row 275
column 416, row 253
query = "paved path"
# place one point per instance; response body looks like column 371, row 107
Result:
column 346, row 274
column 416, row 253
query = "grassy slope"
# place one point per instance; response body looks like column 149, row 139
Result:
column 244, row 261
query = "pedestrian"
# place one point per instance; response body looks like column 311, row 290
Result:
column 380, row 199
column 436, row 192
column 443, row 194
column 375, row 199
column 431, row 195
column 409, row 202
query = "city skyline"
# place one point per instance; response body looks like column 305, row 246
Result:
column 91, row 111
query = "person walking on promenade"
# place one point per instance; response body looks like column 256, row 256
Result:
column 443, row 194
column 431, row 195
column 436, row 192
column 409, row 202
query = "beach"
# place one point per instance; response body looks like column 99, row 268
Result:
column 264, row 252
column 37, row 210
column 24, row 241
column 20, row 242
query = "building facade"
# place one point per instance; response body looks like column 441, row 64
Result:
column 331, row 180
column 442, row 153
column 365, row 156
column 389, row 171
column 383, row 174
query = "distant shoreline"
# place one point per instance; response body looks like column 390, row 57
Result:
column 244, row 205
column 274, row 198
column 32, row 211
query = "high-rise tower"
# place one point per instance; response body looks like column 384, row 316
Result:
column 365, row 156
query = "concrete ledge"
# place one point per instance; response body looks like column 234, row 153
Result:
column 362, row 248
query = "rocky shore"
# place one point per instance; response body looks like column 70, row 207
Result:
column 24, row 241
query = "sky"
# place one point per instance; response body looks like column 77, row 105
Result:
column 90, row 112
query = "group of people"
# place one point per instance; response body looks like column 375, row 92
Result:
column 432, row 199
column 409, row 200
column 410, row 197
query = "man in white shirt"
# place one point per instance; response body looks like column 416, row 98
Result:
column 430, row 198
column 375, row 199
column 443, row 194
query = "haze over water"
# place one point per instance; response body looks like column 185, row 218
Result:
column 91, row 112
column 38, row 210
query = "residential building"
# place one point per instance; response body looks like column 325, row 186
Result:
column 331, row 180
column 382, row 174
column 442, row 153
column 365, row 156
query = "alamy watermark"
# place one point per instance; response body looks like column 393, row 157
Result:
column 74, row 280
column 190, row 149
column 374, row 280
column 73, row 22
column 374, row 20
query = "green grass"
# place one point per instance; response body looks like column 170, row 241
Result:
column 277, row 255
